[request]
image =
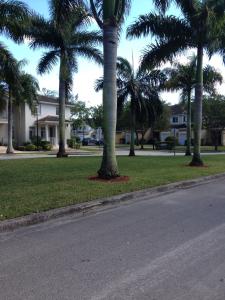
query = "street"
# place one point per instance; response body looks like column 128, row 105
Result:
column 170, row 247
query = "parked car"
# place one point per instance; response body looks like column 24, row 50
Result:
column 89, row 142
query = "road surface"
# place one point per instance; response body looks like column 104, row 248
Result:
column 171, row 247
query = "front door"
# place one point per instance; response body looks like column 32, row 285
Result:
column 52, row 134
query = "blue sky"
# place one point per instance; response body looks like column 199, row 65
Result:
column 88, row 71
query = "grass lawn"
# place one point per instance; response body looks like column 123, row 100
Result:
column 33, row 185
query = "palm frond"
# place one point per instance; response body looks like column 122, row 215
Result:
column 48, row 61
column 162, row 52
column 160, row 26
column 89, row 52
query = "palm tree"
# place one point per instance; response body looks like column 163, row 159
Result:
column 19, row 87
column 66, row 37
column 141, row 90
column 198, row 28
column 109, row 15
column 182, row 77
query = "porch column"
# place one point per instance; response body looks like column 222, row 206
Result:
column 46, row 133
column 56, row 136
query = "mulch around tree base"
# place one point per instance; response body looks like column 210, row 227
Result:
column 119, row 179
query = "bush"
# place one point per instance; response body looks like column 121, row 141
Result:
column 36, row 139
column 46, row 145
column 30, row 147
column 71, row 143
column 172, row 140
column 77, row 146
column 21, row 148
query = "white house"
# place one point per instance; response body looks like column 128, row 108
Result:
column 44, row 122
column 178, row 124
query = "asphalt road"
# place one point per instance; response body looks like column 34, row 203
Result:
column 168, row 248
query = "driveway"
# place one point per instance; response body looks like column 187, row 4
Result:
column 168, row 248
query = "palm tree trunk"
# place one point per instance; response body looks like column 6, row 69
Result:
column 142, row 139
column 109, row 168
column 62, row 104
column 196, row 160
column 188, row 145
column 10, row 149
column 137, row 138
column 132, row 127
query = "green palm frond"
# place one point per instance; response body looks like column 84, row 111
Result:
column 14, row 18
column 93, row 38
column 48, row 61
column 162, row 52
column 44, row 34
column 160, row 26
column 89, row 53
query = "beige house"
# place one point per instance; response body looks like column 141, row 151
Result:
column 45, row 122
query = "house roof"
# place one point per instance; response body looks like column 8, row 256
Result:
column 42, row 98
column 50, row 99
column 177, row 109
column 49, row 119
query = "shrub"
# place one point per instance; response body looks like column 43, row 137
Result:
column 77, row 146
column 46, row 145
column 30, row 147
column 172, row 140
column 71, row 143
column 35, row 140
column 21, row 148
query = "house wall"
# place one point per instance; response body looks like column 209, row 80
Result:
column 181, row 119
column 3, row 134
column 47, row 109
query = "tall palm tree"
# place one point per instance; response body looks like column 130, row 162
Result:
column 19, row 87
column 141, row 90
column 183, row 77
column 66, row 37
column 197, row 28
column 109, row 15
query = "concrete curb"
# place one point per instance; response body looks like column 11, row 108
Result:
column 35, row 218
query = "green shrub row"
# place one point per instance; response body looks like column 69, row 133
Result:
column 44, row 145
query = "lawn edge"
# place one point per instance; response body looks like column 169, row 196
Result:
column 81, row 208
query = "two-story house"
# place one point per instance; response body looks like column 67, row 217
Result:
column 44, row 122
column 178, row 124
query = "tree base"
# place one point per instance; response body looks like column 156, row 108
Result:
column 132, row 153
column 196, row 162
column 61, row 155
column 107, row 174
column 188, row 153
column 9, row 151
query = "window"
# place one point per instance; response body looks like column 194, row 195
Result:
column 57, row 111
column 31, row 132
column 43, row 135
column 185, row 119
column 175, row 119
column 37, row 110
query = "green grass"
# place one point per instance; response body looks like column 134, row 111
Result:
column 33, row 185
